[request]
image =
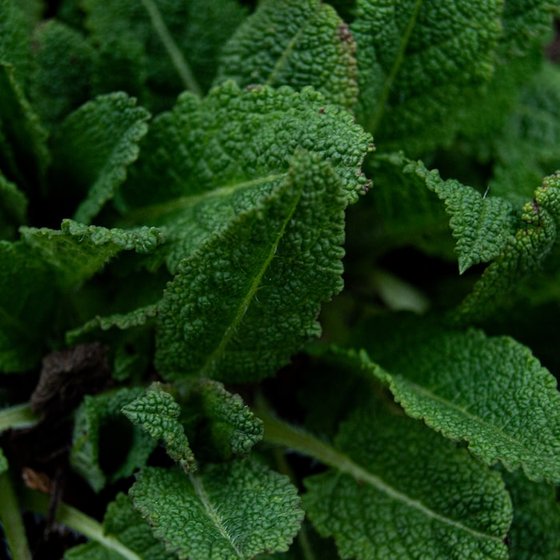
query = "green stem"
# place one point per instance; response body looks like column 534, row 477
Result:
column 80, row 522
column 181, row 65
column 19, row 416
column 10, row 519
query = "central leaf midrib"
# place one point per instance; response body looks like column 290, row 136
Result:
column 154, row 212
column 243, row 306
column 213, row 514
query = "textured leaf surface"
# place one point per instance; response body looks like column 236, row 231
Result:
column 535, row 531
column 215, row 158
column 78, row 251
column 407, row 493
column 231, row 511
column 490, row 391
column 94, row 415
column 94, row 146
column 233, row 426
column 240, row 306
column 157, row 413
column 522, row 256
column 417, row 60
column 125, row 523
column 63, row 73
column 27, row 298
column 311, row 46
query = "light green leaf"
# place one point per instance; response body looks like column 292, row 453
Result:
column 312, row 47
column 130, row 446
column 522, row 256
column 491, row 392
column 76, row 252
column 249, row 298
column 398, row 490
column 233, row 427
column 230, row 511
column 124, row 522
column 157, row 413
column 94, row 146
column 63, row 71
column 418, row 61
column 27, row 301
column 535, row 531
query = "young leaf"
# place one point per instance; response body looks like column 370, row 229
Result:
column 397, row 490
column 230, row 511
column 522, row 256
column 157, row 413
column 92, row 417
column 27, row 301
column 249, row 298
column 77, row 251
column 535, row 531
column 124, row 522
column 490, row 392
column 233, row 427
column 312, row 47
column 94, row 146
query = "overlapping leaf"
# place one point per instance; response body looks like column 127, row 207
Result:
column 157, row 413
column 397, row 490
column 228, row 512
column 242, row 304
column 311, row 46
column 490, row 392
column 90, row 437
column 418, row 61
column 94, row 146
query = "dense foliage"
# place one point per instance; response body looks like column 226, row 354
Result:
column 232, row 327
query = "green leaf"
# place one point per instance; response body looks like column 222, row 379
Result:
column 13, row 207
column 489, row 391
column 157, row 413
column 249, row 298
column 128, row 447
column 522, row 256
column 27, row 301
column 215, row 158
column 63, row 71
column 528, row 146
column 124, row 522
column 94, row 146
column 535, row 531
column 404, row 492
column 15, row 48
column 76, row 252
column 233, row 427
column 482, row 225
column 418, row 61
column 312, row 47
column 230, row 511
